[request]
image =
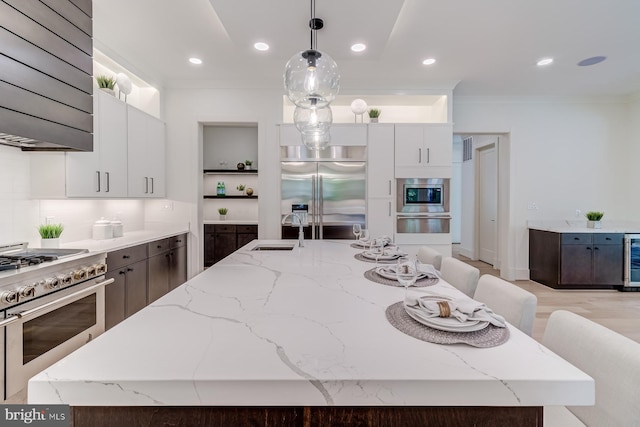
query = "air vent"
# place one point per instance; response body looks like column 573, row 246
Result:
column 467, row 149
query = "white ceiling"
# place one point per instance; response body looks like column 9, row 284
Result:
column 486, row 47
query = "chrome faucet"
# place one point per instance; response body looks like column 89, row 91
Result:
column 300, row 228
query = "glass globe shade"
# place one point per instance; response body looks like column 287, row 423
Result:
column 358, row 106
column 316, row 139
column 312, row 118
column 311, row 79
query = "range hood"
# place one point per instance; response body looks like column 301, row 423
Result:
column 46, row 83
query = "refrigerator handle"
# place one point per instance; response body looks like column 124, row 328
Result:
column 313, row 207
column 321, row 208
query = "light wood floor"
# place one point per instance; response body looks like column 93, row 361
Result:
column 619, row 311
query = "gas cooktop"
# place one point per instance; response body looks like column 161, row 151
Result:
column 18, row 255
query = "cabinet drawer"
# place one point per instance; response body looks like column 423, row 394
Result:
column 177, row 241
column 126, row 256
column 608, row 238
column 224, row 228
column 158, row 247
column 247, row 228
column 577, row 238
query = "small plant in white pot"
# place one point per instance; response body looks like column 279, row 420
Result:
column 374, row 114
column 223, row 213
column 50, row 235
column 106, row 83
column 248, row 163
column 594, row 219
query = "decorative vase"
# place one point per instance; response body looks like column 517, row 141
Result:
column 249, row 191
column 223, row 217
column 594, row 224
column 50, row 243
column 240, row 166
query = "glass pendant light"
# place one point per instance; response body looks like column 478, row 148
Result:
column 316, row 139
column 311, row 78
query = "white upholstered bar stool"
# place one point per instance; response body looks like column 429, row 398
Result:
column 611, row 359
column 515, row 304
column 462, row 276
column 427, row 255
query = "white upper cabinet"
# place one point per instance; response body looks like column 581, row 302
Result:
column 423, row 150
column 103, row 172
column 380, row 167
column 146, row 155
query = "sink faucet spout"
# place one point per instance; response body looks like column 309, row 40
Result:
column 300, row 227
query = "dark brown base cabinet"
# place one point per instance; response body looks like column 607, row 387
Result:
column 142, row 274
column 221, row 240
column 576, row 260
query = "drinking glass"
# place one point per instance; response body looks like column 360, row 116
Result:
column 364, row 234
column 376, row 247
column 407, row 272
column 357, row 229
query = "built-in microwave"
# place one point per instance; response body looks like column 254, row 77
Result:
column 416, row 195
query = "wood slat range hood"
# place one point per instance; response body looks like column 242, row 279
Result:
column 46, row 72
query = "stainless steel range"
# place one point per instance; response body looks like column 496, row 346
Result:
column 51, row 303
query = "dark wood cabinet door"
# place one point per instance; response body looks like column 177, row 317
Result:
column 158, row 276
column 177, row 267
column 608, row 264
column 114, row 299
column 209, row 256
column 244, row 238
column 136, row 287
column 575, row 265
column 224, row 244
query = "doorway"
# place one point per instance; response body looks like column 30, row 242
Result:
column 487, row 203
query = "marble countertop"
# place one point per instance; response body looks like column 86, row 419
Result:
column 580, row 226
column 129, row 238
column 300, row 327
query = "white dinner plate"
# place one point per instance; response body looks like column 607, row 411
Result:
column 383, row 257
column 449, row 324
column 389, row 272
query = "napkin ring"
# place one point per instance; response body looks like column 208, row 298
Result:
column 445, row 310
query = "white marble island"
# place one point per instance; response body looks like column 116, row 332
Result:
column 300, row 329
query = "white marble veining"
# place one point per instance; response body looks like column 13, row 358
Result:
column 297, row 328
column 580, row 226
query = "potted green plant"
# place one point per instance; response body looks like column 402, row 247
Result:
column 248, row 163
column 374, row 113
column 106, row 83
column 593, row 219
column 50, row 235
column 240, row 188
column 223, row 213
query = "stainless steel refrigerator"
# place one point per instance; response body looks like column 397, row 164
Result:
column 332, row 185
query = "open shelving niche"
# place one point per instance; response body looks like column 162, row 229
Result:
column 224, row 146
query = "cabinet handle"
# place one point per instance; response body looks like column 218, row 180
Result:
column 428, row 155
column 596, row 248
column 126, row 256
column 129, row 269
column 121, row 272
column 419, row 155
column 389, row 187
column 107, row 175
column 98, row 182
column 179, row 241
column 151, row 185
column 576, row 238
column 389, row 208
column 146, row 185
column 159, row 247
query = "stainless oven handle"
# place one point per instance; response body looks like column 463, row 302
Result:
column 424, row 217
column 63, row 301
column 9, row 321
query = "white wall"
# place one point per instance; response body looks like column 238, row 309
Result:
column 564, row 154
column 186, row 110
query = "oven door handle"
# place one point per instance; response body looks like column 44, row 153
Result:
column 9, row 321
column 62, row 301
column 438, row 216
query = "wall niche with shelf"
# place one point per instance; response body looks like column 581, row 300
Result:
column 224, row 146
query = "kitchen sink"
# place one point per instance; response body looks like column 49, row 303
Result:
column 274, row 247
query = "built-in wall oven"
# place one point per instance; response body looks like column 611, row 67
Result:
column 52, row 301
column 422, row 205
column 631, row 262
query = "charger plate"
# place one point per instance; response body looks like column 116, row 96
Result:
column 491, row 336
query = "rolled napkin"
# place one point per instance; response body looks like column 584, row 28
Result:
column 428, row 270
column 462, row 309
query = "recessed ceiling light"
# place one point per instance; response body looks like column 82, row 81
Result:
column 429, row 61
column 358, row 47
column 592, row 61
column 196, row 61
column 261, row 46
column 544, row 61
